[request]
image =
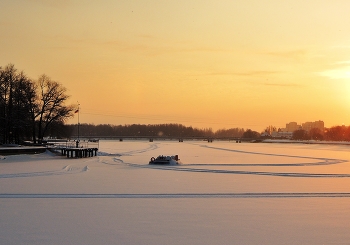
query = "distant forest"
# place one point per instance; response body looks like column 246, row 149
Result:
column 59, row 130
column 154, row 130
column 336, row 133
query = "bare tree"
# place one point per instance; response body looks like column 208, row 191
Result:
column 269, row 129
column 300, row 135
column 316, row 134
column 250, row 134
column 24, row 96
column 51, row 104
column 15, row 93
column 6, row 82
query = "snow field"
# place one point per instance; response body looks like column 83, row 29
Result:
column 222, row 193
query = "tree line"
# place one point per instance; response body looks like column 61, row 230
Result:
column 336, row 133
column 28, row 108
column 151, row 130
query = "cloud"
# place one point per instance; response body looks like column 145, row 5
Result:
column 146, row 36
column 155, row 46
column 292, row 54
column 341, row 47
column 245, row 74
column 61, row 4
column 341, row 71
column 282, row 84
column 345, row 62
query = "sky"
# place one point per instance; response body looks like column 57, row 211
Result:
column 202, row 63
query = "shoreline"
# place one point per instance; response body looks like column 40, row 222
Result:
column 306, row 142
column 15, row 150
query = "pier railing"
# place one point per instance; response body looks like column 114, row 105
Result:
column 74, row 148
column 55, row 143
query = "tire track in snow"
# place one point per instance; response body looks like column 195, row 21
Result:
column 130, row 153
column 241, row 172
column 321, row 159
column 116, row 156
column 65, row 170
column 192, row 167
column 326, row 162
column 177, row 195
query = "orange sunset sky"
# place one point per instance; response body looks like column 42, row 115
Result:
column 202, row 63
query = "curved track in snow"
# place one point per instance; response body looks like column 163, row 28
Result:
column 214, row 167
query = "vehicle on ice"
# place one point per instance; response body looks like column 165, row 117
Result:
column 165, row 160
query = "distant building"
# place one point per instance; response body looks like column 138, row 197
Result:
column 287, row 132
column 291, row 127
column 310, row 125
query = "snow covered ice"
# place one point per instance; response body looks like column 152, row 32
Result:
column 222, row 193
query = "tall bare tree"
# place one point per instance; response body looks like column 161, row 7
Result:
column 51, row 104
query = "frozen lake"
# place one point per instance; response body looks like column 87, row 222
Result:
column 222, row 193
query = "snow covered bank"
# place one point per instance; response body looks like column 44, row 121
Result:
column 11, row 150
column 306, row 142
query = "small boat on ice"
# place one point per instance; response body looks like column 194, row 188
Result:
column 165, row 160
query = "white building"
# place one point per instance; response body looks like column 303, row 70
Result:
column 282, row 134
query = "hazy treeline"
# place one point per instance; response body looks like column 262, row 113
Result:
column 28, row 108
column 336, row 133
column 166, row 130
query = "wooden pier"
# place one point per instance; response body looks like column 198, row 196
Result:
column 74, row 148
column 79, row 152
